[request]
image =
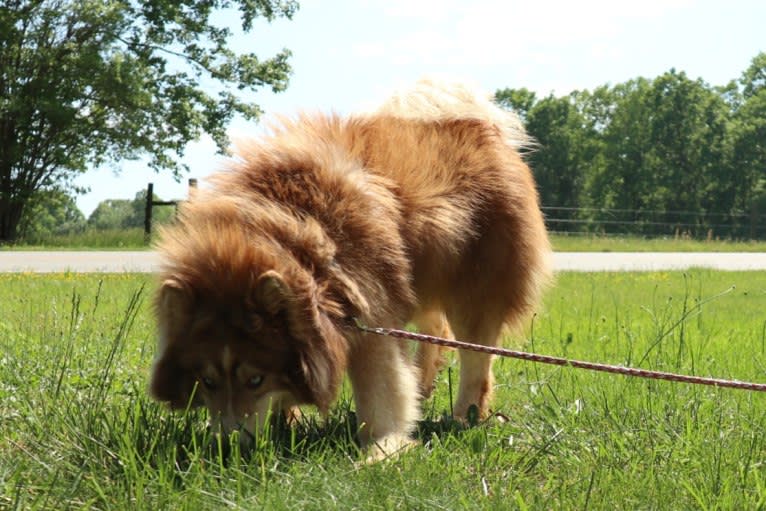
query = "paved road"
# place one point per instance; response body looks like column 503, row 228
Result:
column 653, row 261
column 111, row 262
column 86, row 261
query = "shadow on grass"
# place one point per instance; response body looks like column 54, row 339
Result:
column 310, row 438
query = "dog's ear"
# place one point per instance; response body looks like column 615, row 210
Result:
column 170, row 382
column 323, row 360
column 173, row 384
column 271, row 292
column 320, row 349
column 174, row 302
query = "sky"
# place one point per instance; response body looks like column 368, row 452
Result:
column 348, row 54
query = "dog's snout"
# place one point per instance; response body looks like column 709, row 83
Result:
column 230, row 425
column 225, row 424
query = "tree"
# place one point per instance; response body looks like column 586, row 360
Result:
column 50, row 212
column 662, row 150
column 87, row 82
column 646, row 156
column 747, row 142
column 126, row 214
column 754, row 78
column 557, row 157
column 520, row 101
column 621, row 182
column 110, row 214
column 686, row 159
column 557, row 162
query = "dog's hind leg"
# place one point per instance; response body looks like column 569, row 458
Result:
column 386, row 394
column 476, row 378
column 430, row 357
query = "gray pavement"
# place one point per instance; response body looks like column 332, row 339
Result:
column 657, row 261
column 84, row 262
column 147, row 261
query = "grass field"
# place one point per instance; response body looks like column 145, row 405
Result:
column 586, row 243
column 91, row 239
column 133, row 239
column 77, row 430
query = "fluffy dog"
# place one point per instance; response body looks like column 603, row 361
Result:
column 421, row 211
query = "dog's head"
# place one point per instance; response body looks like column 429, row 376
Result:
column 246, row 353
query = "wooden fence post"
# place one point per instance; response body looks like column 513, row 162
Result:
column 148, row 213
column 150, row 203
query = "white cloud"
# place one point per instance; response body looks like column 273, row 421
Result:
column 369, row 50
column 419, row 9
column 488, row 32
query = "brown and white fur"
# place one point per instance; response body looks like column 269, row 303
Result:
column 421, row 211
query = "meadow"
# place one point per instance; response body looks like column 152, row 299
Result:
column 77, row 430
column 133, row 239
column 627, row 243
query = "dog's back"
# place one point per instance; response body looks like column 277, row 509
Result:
column 430, row 189
column 471, row 218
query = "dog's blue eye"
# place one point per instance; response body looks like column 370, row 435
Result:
column 254, row 382
column 207, row 382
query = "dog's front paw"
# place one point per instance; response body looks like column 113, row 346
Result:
column 386, row 448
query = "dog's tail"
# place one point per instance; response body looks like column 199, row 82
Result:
column 432, row 100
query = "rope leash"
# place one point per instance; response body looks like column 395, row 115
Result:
column 545, row 359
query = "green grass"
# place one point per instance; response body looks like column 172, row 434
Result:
column 133, row 239
column 596, row 243
column 90, row 239
column 77, row 430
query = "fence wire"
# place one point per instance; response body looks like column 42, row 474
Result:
column 655, row 223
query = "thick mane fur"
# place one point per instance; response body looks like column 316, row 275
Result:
column 349, row 183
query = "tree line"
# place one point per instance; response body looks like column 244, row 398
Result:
column 663, row 156
column 55, row 213
column 88, row 83
column 649, row 154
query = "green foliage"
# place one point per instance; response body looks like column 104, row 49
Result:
column 51, row 213
column 558, row 166
column 86, row 82
column 52, row 219
column 78, row 431
column 686, row 137
column 519, row 100
column 88, row 239
column 110, row 214
column 754, row 78
column 670, row 144
column 748, row 139
column 122, row 213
